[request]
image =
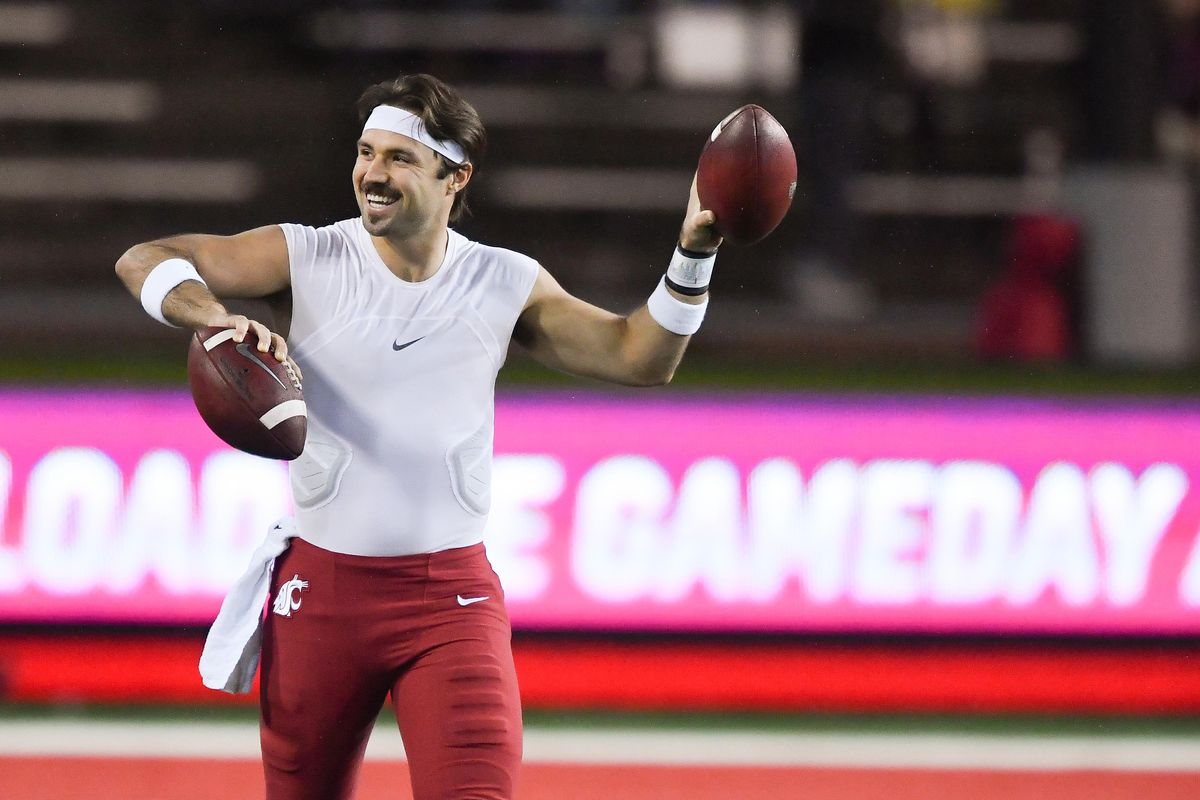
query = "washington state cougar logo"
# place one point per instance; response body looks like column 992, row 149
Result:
column 288, row 599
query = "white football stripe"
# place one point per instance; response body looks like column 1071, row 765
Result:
column 721, row 125
column 285, row 410
column 219, row 338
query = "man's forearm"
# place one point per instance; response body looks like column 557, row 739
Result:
column 188, row 305
column 651, row 353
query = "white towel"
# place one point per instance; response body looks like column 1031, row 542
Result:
column 231, row 651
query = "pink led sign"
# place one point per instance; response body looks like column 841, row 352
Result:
column 661, row 511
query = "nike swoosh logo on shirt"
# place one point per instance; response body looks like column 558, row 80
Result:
column 397, row 346
column 466, row 601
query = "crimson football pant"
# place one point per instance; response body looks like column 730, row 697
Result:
column 343, row 631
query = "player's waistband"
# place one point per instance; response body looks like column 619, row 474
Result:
column 416, row 563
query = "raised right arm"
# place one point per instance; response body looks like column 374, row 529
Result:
column 250, row 264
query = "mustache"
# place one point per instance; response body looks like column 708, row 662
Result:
column 379, row 188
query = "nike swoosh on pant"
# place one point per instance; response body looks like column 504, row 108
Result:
column 466, row 601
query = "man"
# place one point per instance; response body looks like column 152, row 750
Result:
column 401, row 325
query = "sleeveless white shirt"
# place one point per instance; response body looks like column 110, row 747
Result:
column 399, row 378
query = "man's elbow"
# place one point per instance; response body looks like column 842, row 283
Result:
column 131, row 265
column 127, row 266
column 662, row 380
column 651, row 377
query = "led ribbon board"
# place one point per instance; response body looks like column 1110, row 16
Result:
column 795, row 514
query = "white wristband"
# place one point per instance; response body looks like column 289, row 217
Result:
column 161, row 280
column 674, row 314
column 689, row 273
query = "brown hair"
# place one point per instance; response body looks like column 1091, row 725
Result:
column 446, row 116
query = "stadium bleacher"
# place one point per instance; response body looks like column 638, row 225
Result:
column 244, row 117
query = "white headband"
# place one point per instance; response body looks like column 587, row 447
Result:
column 405, row 123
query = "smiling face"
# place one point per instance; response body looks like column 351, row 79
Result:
column 397, row 186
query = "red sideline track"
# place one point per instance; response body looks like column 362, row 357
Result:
column 188, row 779
column 786, row 676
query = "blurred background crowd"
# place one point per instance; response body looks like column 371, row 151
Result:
column 980, row 179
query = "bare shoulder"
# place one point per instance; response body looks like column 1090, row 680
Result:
column 553, row 313
column 549, row 299
column 545, row 288
column 264, row 245
column 248, row 264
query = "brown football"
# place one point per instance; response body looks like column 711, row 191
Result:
column 747, row 174
column 250, row 399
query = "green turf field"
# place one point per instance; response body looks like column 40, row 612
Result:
column 701, row 373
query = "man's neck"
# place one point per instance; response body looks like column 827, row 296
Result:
column 413, row 258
